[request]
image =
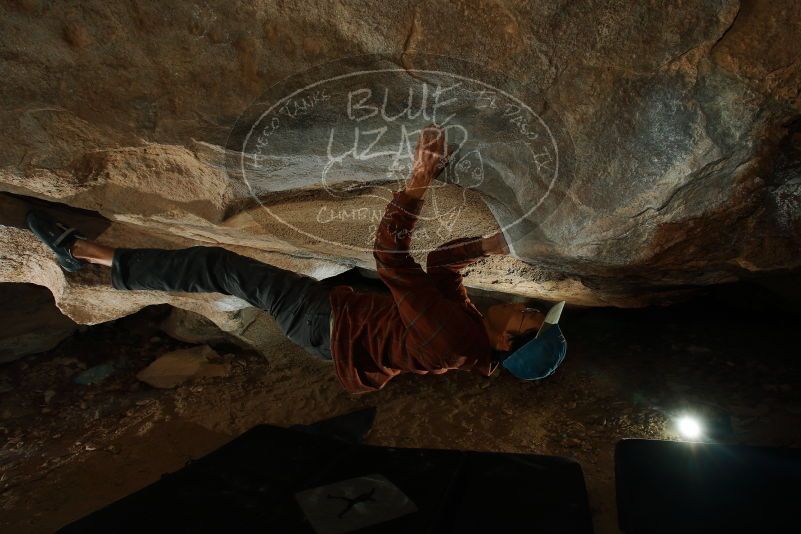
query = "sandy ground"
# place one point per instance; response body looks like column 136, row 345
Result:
column 70, row 449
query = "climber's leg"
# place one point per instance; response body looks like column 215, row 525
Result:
column 298, row 303
column 86, row 250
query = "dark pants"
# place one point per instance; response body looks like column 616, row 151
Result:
column 298, row 303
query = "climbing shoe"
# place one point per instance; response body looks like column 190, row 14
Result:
column 58, row 237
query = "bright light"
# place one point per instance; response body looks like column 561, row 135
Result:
column 689, row 427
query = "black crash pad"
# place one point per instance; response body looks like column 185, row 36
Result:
column 669, row 486
column 253, row 484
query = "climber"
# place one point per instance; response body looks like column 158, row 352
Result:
column 426, row 324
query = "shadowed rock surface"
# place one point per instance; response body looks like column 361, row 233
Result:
column 30, row 322
column 677, row 129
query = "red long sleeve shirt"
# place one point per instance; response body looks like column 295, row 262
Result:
column 427, row 324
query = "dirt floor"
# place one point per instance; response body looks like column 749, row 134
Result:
column 70, row 449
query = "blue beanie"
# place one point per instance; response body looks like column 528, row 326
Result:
column 540, row 357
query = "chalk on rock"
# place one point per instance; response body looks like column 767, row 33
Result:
column 179, row 366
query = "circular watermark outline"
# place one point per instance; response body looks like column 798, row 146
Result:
column 412, row 72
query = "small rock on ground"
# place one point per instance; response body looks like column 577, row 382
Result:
column 176, row 367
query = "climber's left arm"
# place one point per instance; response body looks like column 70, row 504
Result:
column 445, row 263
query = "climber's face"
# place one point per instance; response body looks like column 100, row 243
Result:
column 506, row 321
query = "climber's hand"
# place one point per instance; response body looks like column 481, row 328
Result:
column 430, row 157
column 495, row 244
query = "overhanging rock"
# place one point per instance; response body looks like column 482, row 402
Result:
column 677, row 131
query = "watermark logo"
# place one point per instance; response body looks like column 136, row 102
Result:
column 334, row 144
